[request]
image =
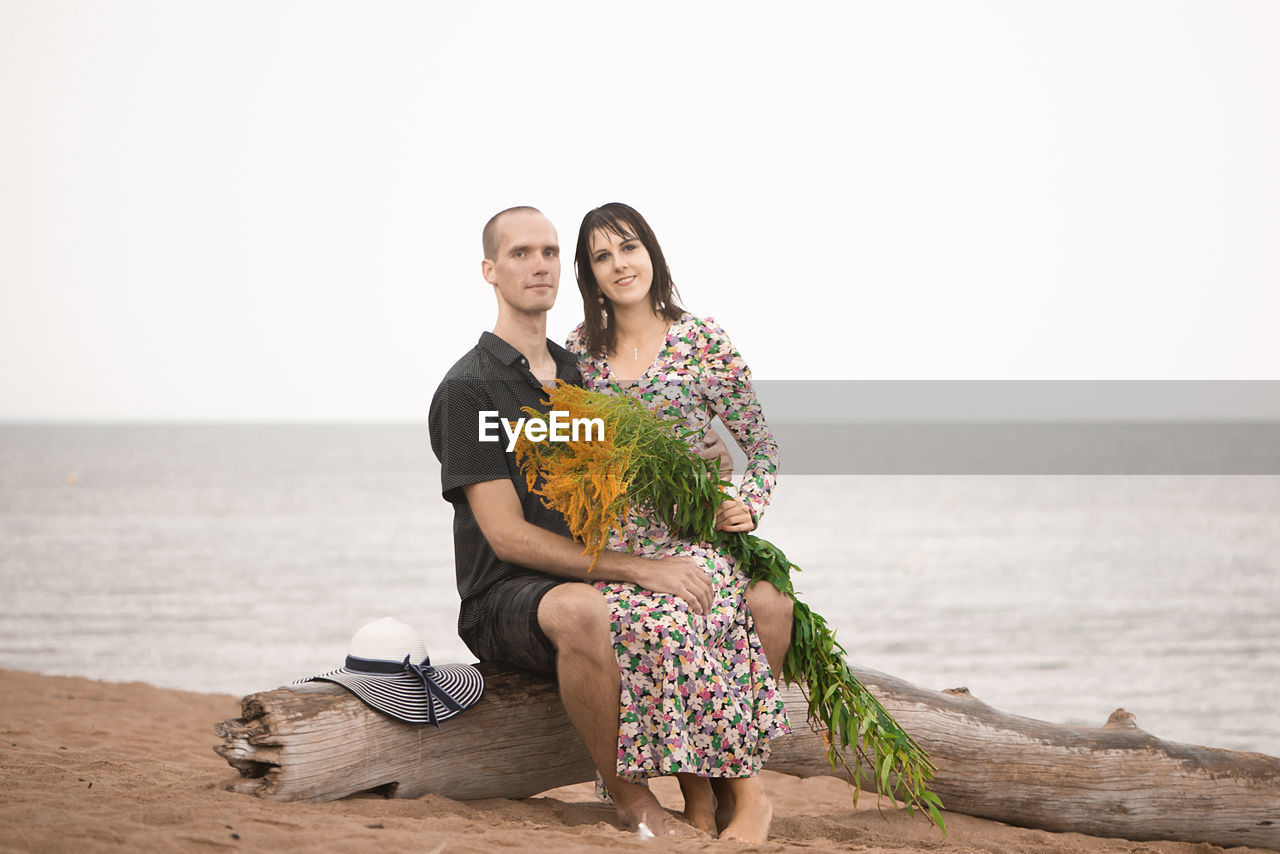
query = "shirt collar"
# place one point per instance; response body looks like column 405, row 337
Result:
column 499, row 349
column 566, row 362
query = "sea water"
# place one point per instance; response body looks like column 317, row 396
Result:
column 237, row 558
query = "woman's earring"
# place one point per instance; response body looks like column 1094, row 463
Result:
column 600, row 299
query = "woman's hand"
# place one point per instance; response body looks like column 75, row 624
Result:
column 733, row 515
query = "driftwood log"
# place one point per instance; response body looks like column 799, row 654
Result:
column 318, row 742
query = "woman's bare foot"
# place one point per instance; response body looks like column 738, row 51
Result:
column 752, row 812
column 724, row 801
column 699, row 802
column 636, row 805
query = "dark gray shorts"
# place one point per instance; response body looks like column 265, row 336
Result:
column 508, row 630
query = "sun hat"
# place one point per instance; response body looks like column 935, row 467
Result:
column 387, row 667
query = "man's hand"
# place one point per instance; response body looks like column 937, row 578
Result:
column 679, row 575
column 713, row 448
column 733, row 515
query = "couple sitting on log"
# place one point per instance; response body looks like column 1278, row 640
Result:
column 663, row 652
column 661, row 648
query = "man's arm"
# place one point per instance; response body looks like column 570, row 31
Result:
column 515, row 540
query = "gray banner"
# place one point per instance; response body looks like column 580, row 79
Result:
column 996, row 401
column 1150, row 448
column 1051, row 427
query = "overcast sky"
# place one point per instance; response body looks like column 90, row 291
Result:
column 264, row 210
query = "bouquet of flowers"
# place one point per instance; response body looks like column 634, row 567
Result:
column 644, row 461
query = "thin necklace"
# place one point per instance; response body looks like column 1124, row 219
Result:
column 635, row 350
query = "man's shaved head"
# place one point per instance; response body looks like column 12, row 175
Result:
column 489, row 237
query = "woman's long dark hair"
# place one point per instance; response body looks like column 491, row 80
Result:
column 625, row 221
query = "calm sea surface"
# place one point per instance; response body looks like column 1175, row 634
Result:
column 236, row 558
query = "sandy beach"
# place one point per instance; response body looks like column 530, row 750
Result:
column 97, row 766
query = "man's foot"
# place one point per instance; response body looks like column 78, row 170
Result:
column 637, row 805
column 699, row 802
column 752, row 813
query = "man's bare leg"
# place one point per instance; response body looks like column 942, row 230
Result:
column 773, row 613
column 575, row 618
column 699, row 802
column 752, row 814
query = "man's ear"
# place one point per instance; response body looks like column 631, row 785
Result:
column 487, row 270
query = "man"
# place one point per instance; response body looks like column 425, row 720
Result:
column 526, row 599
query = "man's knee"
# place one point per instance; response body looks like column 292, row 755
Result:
column 770, row 606
column 573, row 613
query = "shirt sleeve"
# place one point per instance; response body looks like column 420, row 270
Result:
column 465, row 458
column 727, row 383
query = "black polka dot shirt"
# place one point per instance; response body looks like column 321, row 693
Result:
column 493, row 375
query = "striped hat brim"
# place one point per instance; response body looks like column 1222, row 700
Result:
column 402, row 696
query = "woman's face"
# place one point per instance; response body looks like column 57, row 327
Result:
column 622, row 267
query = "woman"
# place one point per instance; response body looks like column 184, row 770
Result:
column 698, row 698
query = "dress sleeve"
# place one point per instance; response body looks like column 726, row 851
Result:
column 591, row 367
column 575, row 343
column 726, row 380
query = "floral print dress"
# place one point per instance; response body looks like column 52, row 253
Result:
column 697, row 694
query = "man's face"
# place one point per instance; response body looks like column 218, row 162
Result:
column 526, row 272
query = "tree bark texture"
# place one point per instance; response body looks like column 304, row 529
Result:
column 319, row 742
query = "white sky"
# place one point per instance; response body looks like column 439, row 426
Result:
column 264, row 210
